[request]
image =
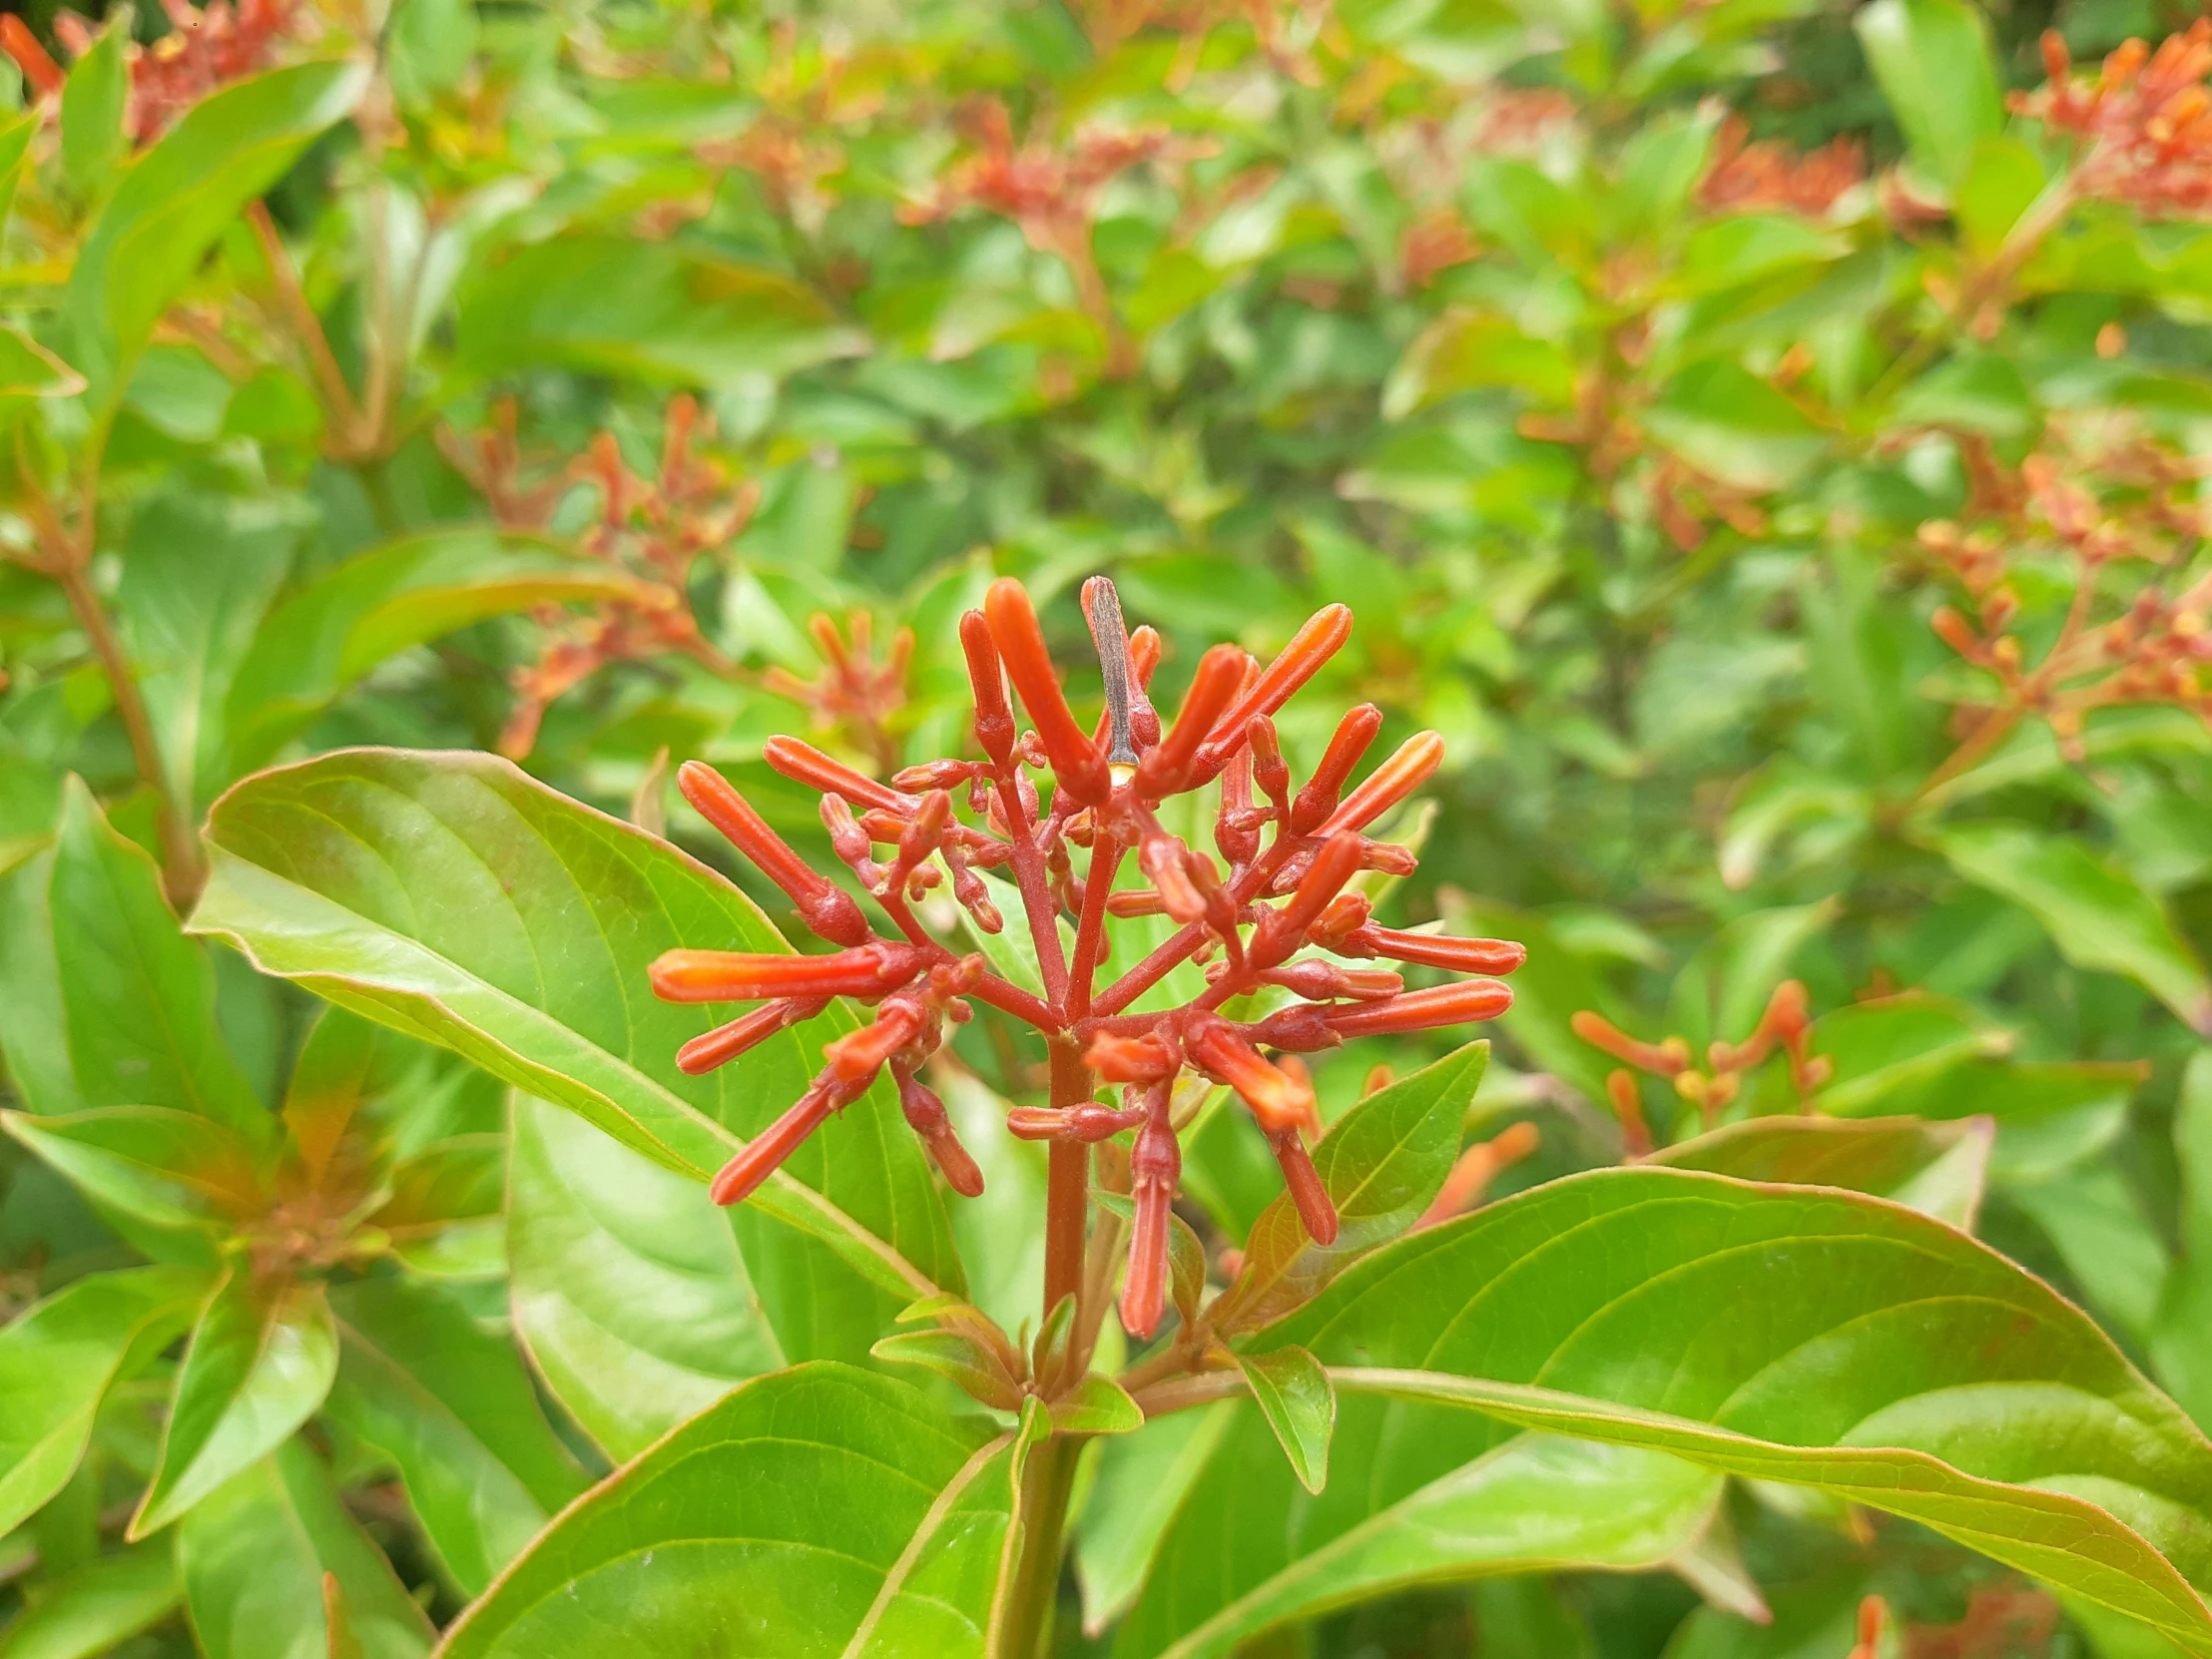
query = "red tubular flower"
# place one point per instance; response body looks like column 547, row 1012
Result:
column 925, row 1116
column 825, row 909
column 1315, row 1211
column 1313, row 645
column 1416, row 760
column 726, row 1042
column 744, row 977
column 1077, row 762
column 859, row 1055
column 762, row 1156
column 1165, row 769
column 1666, row 1059
column 803, row 764
column 1317, row 800
column 994, row 717
column 1155, row 1165
column 1283, row 929
column 1459, row 1004
column 1279, row 1099
column 1325, row 982
column 1088, row 1123
column 39, row 68
column 1434, row 949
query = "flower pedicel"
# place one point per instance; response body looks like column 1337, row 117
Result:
column 1279, row 888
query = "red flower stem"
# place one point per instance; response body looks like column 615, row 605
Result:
column 1178, row 947
column 1037, row 902
column 1067, row 1182
column 1090, row 931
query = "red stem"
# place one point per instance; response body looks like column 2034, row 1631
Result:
column 1067, row 1182
column 1037, row 902
column 1090, row 931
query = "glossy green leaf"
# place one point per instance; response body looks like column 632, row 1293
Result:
column 662, row 311
column 58, row 1360
column 456, row 899
column 1141, row 1484
column 962, row 1359
column 1938, row 1167
column 99, row 1606
column 260, row 1363
column 422, row 1382
column 1530, row 1502
column 180, row 195
column 1096, row 1406
column 109, row 1004
column 1723, row 988
column 2098, row 916
column 629, row 1294
column 1381, row 1163
column 2098, row 1226
column 1890, row 1054
column 323, row 638
column 819, row 1510
column 2180, row 1342
column 1294, row 1394
column 1799, row 1335
column 253, row 1554
column 1933, row 61
column 164, row 1167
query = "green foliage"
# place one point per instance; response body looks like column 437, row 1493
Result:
column 1763, row 440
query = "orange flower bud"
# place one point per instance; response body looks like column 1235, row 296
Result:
column 1668, row 1059
column 1278, row 1098
column 1435, row 949
column 801, row 763
column 742, row 976
column 1317, row 800
column 1396, row 778
column 825, row 908
column 1165, row 769
column 37, row 64
column 1146, row 1059
column 743, row 1175
column 1628, row 1106
column 1283, row 931
column 925, row 1116
column 859, row 1055
column 1155, row 1165
column 1461, row 1004
column 1076, row 762
column 1319, row 981
column 1313, row 645
column 1086, row 1123
column 726, row 1042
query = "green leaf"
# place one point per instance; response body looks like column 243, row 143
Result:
column 387, row 600
column 2098, row 916
column 1381, row 1163
column 15, row 151
column 93, row 99
column 1549, row 988
column 199, row 575
column 1799, row 1335
column 1892, row 1054
column 1723, row 988
column 1528, row 1504
column 455, row 899
column 964, row 1361
column 260, row 1361
column 1466, row 350
column 179, row 197
column 2096, row 1223
column 1746, row 247
column 1936, row 1168
column 255, row 1553
column 422, row 1382
column 1723, row 419
column 99, row 1606
column 168, row 1168
column 1141, row 1484
column 1096, row 1406
column 628, row 1291
column 1295, row 1395
column 28, row 371
column 58, row 1360
column 1933, row 61
column 2181, row 1337
column 111, row 1005
column 819, row 1510
column 658, row 311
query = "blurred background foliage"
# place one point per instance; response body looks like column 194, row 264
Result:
column 1762, row 436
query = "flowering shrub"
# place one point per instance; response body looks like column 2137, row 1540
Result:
column 633, row 1015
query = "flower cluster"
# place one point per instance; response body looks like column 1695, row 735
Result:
column 204, row 49
column 2145, row 118
column 1274, row 914
column 1752, row 178
column 2153, row 648
column 1785, row 1025
column 651, row 529
column 854, row 693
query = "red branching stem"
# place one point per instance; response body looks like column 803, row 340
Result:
column 1067, row 1182
column 1090, row 931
